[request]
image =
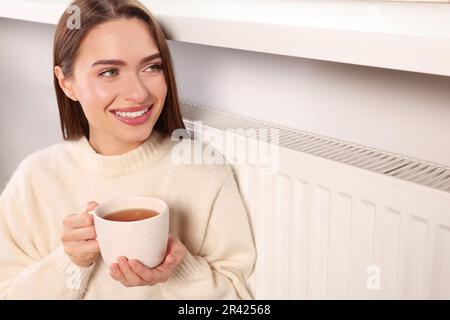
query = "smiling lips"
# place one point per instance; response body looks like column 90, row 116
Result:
column 133, row 109
column 131, row 112
column 134, row 115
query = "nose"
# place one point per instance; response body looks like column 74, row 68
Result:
column 134, row 90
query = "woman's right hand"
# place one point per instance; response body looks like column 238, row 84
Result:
column 79, row 238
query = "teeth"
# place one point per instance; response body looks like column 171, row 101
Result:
column 131, row 114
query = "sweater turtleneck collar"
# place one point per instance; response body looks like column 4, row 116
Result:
column 148, row 152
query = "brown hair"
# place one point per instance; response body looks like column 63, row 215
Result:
column 65, row 50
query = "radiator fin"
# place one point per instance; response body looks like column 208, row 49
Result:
column 398, row 166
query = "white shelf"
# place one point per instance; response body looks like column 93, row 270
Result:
column 399, row 35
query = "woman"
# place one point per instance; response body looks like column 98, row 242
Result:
column 118, row 106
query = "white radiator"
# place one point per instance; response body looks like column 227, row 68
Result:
column 338, row 220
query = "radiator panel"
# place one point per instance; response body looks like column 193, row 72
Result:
column 325, row 229
column 320, row 224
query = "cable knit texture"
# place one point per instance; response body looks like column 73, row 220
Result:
column 206, row 212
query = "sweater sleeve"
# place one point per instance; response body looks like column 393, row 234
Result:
column 226, row 258
column 26, row 272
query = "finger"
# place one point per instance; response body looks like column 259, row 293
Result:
column 150, row 276
column 174, row 256
column 117, row 275
column 175, row 248
column 90, row 206
column 128, row 273
column 168, row 265
column 90, row 246
column 175, row 253
column 79, row 234
column 78, row 220
column 78, row 248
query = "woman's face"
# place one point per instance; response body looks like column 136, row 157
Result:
column 129, row 80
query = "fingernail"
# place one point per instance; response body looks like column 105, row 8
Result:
column 122, row 260
column 90, row 208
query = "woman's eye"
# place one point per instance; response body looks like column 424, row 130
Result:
column 109, row 71
column 156, row 67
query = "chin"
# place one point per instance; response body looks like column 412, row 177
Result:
column 138, row 135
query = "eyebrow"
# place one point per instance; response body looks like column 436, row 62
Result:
column 123, row 63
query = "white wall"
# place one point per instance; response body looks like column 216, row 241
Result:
column 397, row 111
column 29, row 118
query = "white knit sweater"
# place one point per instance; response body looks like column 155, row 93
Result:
column 206, row 212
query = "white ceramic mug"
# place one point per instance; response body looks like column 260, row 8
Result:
column 144, row 240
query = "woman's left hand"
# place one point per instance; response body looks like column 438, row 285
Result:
column 133, row 273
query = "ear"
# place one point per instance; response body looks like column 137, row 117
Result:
column 65, row 84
